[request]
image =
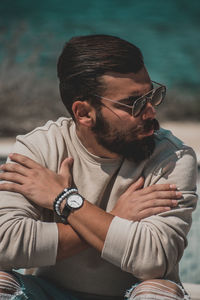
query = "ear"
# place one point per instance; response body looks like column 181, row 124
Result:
column 84, row 113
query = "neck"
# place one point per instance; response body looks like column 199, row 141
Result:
column 88, row 139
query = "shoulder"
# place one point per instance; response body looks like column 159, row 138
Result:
column 46, row 144
column 50, row 129
column 168, row 145
column 172, row 161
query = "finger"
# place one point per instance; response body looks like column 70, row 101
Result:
column 66, row 165
column 157, row 210
column 11, row 187
column 158, row 187
column 161, row 195
column 153, row 211
column 13, row 177
column 12, row 167
column 138, row 184
column 24, row 160
column 159, row 203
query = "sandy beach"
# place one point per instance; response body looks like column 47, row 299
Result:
column 188, row 132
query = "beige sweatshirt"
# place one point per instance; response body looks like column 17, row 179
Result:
column 151, row 248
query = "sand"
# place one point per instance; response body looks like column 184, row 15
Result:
column 189, row 132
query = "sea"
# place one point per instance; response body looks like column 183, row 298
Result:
column 167, row 31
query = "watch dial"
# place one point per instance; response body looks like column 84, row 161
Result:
column 75, row 201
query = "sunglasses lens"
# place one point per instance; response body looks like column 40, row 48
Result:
column 158, row 96
column 139, row 106
column 156, row 99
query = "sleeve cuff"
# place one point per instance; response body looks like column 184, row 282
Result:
column 46, row 244
column 116, row 239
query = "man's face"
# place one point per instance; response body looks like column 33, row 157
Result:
column 115, row 128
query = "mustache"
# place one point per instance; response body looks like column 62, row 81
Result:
column 151, row 124
column 148, row 125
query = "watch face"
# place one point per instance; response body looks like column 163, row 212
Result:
column 75, row 201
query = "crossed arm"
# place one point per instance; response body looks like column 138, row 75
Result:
column 41, row 186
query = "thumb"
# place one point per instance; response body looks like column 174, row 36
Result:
column 66, row 166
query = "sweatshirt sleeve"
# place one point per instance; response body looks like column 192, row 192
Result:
column 25, row 240
column 153, row 247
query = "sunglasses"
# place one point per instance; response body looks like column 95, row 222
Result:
column 154, row 96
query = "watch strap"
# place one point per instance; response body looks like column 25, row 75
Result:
column 60, row 198
column 68, row 208
column 65, row 214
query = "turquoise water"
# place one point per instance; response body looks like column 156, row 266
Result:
column 166, row 31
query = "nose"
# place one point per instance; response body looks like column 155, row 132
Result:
column 148, row 112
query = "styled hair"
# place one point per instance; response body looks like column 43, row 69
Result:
column 85, row 59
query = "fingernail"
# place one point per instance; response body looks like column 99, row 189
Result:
column 167, row 208
column 172, row 186
column 71, row 160
column 178, row 194
column 175, row 202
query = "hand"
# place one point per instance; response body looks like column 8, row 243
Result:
column 138, row 203
column 34, row 181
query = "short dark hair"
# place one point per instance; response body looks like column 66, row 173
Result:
column 85, row 58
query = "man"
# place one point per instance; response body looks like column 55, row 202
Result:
column 103, row 201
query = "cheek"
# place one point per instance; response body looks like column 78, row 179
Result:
column 120, row 119
column 127, row 121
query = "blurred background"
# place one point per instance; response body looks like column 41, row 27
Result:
column 32, row 34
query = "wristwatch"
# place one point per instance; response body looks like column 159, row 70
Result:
column 74, row 201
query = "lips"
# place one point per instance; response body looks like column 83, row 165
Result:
column 149, row 133
column 149, row 127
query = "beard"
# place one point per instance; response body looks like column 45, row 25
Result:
column 126, row 143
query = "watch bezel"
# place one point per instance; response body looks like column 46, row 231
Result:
column 67, row 201
column 68, row 209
